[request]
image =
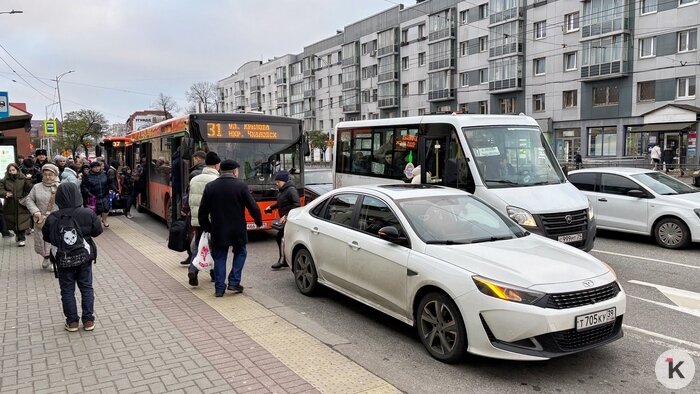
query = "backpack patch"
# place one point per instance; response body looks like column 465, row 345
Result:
column 72, row 249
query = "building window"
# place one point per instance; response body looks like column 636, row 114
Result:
column 507, row 105
column 646, row 91
column 608, row 95
column 330, row 80
column 570, row 98
column 647, row 47
column 538, row 102
column 421, row 111
column 404, row 114
column 463, row 17
column 340, row 78
column 320, row 104
column 364, row 48
column 421, row 87
column 649, row 6
column 404, row 36
column 540, row 30
column 571, row 22
column 539, row 66
column 686, row 88
column 331, row 102
column 421, row 59
column 483, row 107
column 602, row 141
column 404, row 90
column 687, row 40
column 320, row 124
column 484, row 75
column 404, row 62
column 320, row 83
column 570, row 61
column 483, row 44
column 421, row 31
column 463, row 48
column 682, row 3
column 463, row 79
column 483, row 11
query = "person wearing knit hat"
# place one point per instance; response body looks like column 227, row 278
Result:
column 95, row 187
column 60, row 162
column 212, row 159
column 287, row 199
column 41, row 159
column 40, row 202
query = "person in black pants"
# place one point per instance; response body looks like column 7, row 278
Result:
column 287, row 199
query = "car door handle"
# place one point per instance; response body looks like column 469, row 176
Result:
column 603, row 199
column 315, row 231
column 354, row 245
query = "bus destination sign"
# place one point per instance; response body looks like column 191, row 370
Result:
column 253, row 131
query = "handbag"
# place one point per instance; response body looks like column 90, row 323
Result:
column 91, row 203
column 277, row 225
column 203, row 260
column 179, row 235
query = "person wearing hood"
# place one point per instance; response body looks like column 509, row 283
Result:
column 41, row 160
column 97, row 185
column 40, row 202
column 287, row 199
column 70, row 174
column 13, row 188
column 70, row 203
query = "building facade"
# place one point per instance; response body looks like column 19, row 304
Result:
column 607, row 78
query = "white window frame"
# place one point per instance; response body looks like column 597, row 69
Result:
column 483, row 43
column 463, row 17
column 538, row 98
column 421, row 59
column 566, row 61
column 571, row 23
column 483, row 107
column 464, row 79
column 692, row 2
column 687, row 41
column 641, row 8
column 652, row 40
column 574, row 99
column 686, row 91
column 421, row 87
column 463, row 48
column 540, row 30
column 404, row 63
column 534, row 66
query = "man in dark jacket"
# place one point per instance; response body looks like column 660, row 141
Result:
column 41, row 159
column 97, row 185
column 198, row 159
column 70, row 203
column 222, row 214
column 287, row 199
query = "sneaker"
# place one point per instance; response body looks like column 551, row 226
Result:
column 45, row 264
column 21, row 243
column 128, row 216
column 193, row 281
column 236, row 289
column 279, row 265
column 71, row 327
column 218, row 294
column 88, row 325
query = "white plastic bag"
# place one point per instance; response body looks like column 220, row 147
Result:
column 203, row 260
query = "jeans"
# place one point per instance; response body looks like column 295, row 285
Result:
column 193, row 250
column 234, row 278
column 67, row 279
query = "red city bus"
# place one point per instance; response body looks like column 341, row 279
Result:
column 262, row 144
column 119, row 149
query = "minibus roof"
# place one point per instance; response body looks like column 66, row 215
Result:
column 460, row 120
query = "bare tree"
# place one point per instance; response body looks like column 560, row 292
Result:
column 202, row 95
column 166, row 104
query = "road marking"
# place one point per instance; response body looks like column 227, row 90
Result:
column 683, row 298
column 647, row 259
column 669, row 306
column 665, row 338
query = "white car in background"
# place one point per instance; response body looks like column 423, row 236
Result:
column 641, row 201
column 468, row 277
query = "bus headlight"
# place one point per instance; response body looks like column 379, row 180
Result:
column 505, row 291
column 521, row 216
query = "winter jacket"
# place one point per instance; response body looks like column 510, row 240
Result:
column 287, row 199
column 97, row 184
column 127, row 184
column 68, row 175
column 196, row 170
column 37, row 175
column 197, row 185
column 39, row 198
column 17, row 216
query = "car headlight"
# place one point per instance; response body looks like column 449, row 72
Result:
column 505, row 291
column 590, row 211
column 521, row 216
column 697, row 211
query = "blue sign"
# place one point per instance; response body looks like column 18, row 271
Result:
column 4, row 105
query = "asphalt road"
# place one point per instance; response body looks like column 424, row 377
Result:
column 654, row 323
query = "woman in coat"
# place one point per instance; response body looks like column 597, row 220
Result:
column 287, row 199
column 127, row 184
column 13, row 188
column 97, row 184
column 40, row 202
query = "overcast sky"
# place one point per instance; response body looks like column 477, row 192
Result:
column 125, row 52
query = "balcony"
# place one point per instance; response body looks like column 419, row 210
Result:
column 309, row 93
column 281, row 81
column 296, row 78
column 498, row 17
column 509, row 84
column 442, row 34
column 351, row 61
column 296, row 98
column 239, row 92
column 605, row 70
column 254, row 88
column 388, row 50
column 351, row 108
column 513, row 48
column 309, row 114
column 605, row 27
column 441, row 64
column 389, row 76
column 281, row 100
column 309, row 72
column 441, row 95
column 388, row 103
column 349, row 85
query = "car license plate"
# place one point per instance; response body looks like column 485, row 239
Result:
column 594, row 319
column 252, row 226
column 570, row 238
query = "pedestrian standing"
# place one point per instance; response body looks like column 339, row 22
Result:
column 13, row 188
column 222, row 214
column 127, row 191
column 70, row 174
column 56, row 232
column 578, row 160
column 197, row 185
column 60, row 162
column 39, row 162
column 287, row 199
column 199, row 159
column 96, row 185
column 41, row 202
column 656, row 156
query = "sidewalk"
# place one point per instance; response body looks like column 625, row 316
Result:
column 154, row 333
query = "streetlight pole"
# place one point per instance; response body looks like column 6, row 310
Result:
column 58, row 90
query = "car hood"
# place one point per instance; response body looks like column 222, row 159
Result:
column 525, row 262
column 320, row 188
column 692, row 199
column 563, row 197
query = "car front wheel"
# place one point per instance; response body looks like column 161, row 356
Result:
column 441, row 328
column 672, row 233
column 305, row 275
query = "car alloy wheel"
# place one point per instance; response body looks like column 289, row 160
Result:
column 672, row 233
column 441, row 328
column 305, row 275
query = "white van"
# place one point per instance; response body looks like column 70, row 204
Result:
column 503, row 159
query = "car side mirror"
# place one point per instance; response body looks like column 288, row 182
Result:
column 637, row 193
column 391, row 234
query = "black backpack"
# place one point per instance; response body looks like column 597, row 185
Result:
column 72, row 249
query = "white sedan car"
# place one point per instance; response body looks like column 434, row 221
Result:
column 469, row 278
column 641, row 201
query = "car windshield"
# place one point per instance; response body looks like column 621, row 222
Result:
column 512, row 156
column 317, row 177
column 663, row 184
column 452, row 220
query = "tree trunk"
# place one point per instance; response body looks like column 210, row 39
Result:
column 86, row 150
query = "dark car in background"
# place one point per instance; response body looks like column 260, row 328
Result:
column 317, row 182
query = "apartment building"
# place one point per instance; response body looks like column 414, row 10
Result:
column 607, row 78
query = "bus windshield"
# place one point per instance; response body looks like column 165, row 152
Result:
column 512, row 156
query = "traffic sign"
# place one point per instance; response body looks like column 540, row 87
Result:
column 4, row 105
column 50, row 127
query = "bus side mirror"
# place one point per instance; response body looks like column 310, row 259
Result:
column 305, row 145
column 187, row 148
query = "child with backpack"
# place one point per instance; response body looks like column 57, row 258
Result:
column 70, row 231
